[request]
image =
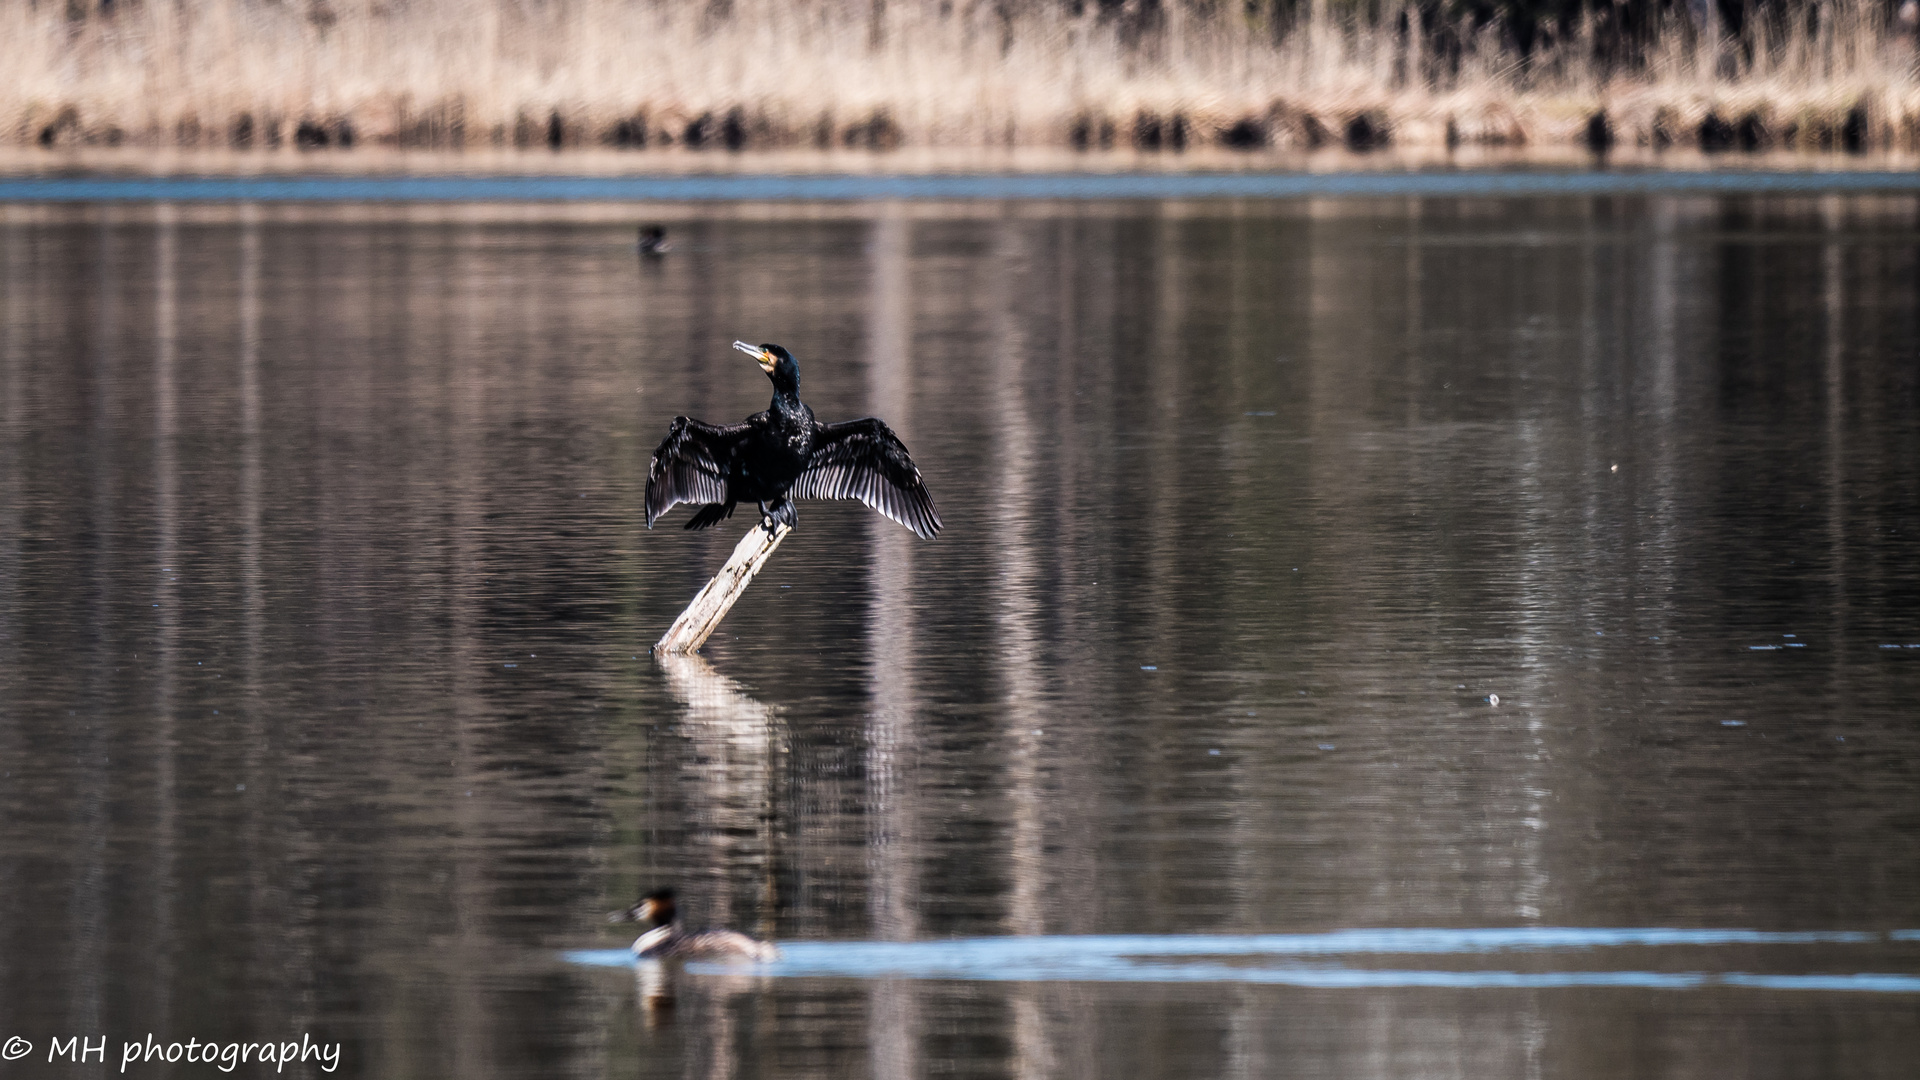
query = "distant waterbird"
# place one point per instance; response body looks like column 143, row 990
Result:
column 783, row 454
column 653, row 240
column 666, row 939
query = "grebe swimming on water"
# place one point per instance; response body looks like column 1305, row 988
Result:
column 668, row 940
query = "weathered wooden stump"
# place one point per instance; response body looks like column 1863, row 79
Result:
column 691, row 629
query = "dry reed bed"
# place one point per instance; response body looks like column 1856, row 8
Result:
column 918, row 72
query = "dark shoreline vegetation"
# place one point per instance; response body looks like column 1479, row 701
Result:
column 1150, row 75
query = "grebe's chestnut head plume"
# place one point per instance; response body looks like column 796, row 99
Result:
column 654, row 909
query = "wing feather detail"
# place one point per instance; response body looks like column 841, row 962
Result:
column 690, row 465
column 865, row 460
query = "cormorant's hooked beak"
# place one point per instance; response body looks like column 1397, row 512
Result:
column 763, row 356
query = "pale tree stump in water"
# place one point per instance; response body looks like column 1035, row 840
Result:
column 691, row 629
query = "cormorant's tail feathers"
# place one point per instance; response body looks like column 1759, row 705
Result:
column 710, row 515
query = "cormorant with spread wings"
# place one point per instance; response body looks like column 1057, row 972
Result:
column 781, row 455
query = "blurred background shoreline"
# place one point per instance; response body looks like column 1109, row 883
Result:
column 1140, row 84
column 22, row 163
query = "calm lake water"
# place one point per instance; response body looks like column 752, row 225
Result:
column 1548, row 567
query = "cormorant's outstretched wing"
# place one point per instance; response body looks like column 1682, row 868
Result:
column 863, row 459
column 690, row 465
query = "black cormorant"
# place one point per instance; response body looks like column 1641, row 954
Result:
column 666, row 940
column 781, row 455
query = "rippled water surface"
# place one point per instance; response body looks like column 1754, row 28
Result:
column 1544, row 568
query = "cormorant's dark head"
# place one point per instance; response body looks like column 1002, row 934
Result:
column 777, row 362
column 654, row 909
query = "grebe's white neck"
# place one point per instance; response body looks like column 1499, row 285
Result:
column 656, row 938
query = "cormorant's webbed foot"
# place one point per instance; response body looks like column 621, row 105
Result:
column 783, row 511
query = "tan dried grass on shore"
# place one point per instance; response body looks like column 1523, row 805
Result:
column 909, row 72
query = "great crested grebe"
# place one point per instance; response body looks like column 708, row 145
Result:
column 668, row 940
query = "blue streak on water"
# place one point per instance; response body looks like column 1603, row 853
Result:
column 1130, row 958
column 599, row 957
column 849, row 188
column 1323, row 976
column 1865, row 982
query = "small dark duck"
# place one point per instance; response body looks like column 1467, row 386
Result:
column 668, row 940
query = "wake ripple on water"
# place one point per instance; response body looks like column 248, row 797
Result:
column 1140, row 958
